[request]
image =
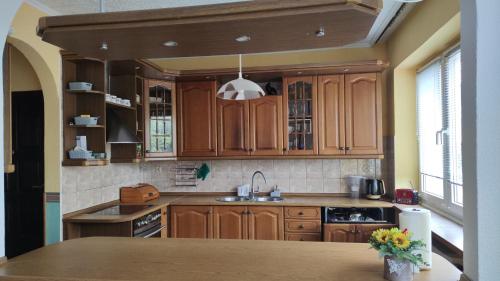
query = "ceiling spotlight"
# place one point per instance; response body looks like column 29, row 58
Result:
column 170, row 44
column 243, row 38
column 104, row 46
column 320, row 32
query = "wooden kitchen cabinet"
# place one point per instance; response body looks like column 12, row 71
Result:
column 232, row 128
column 363, row 114
column 339, row 233
column 266, row 131
column 191, row 222
column 350, row 114
column 230, row 222
column 159, row 123
column 251, row 127
column 265, row 223
column 196, row 132
column 300, row 115
column 331, row 115
column 358, row 233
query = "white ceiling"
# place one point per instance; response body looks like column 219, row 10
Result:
column 68, row 7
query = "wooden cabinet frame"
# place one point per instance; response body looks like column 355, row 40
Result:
column 148, row 83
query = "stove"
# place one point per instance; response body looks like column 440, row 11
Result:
column 121, row 210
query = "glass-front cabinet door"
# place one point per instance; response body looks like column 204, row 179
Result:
column 159, row 101
column 300, row 121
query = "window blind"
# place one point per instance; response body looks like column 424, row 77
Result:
column 430, row 128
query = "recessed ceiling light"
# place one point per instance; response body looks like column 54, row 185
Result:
column 243, row 38
column 170, row 44
column 320, row 32
column 104, row 46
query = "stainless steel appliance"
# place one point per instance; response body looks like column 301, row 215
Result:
column 359, row 215
column 148, row 226
column 375, row 188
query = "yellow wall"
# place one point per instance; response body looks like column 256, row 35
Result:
column 22, row 74
column 46, row 62
column 430, row 28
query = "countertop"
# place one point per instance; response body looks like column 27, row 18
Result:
column 86, row 216
column 100, row 258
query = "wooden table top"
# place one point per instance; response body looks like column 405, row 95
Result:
column 101, row 258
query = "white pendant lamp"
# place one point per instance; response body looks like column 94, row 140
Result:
column 240, row 89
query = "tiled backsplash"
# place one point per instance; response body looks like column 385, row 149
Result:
column 87, row 186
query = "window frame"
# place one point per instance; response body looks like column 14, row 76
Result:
column 445, row 206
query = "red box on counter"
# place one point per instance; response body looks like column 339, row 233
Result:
column 406, row 196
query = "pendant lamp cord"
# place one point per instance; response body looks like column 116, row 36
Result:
column 241, row 74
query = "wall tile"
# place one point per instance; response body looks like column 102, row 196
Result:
column 366, row 167
column 314, row 169
column 331, row 186
column 314, row 185
column 331, row 169
column 348, row 168
column 87, row 186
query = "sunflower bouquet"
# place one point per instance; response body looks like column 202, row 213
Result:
column 397, row 244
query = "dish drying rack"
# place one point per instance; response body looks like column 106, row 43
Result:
column 186, row 175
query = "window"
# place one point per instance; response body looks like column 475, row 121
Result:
column 440, row 134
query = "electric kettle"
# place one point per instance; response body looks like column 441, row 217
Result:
column 375, row 188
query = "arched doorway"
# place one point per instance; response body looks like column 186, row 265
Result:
column 24, row 182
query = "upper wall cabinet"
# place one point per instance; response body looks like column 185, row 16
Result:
column 299, row 115
column 350, row 114
column 159, row 105
column 266, row 129
column 363, row 111
column 196, row 130
column 251, row 127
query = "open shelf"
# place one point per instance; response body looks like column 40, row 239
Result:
column 85, row 92
column 116, row 105
column 125, row 160
column 85, row 162
column 86, row 126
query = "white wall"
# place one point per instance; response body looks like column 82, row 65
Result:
column 481, row 138
column 7, row 12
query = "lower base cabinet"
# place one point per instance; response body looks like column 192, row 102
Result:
column 227, row 222
column 303, row 237
column 191, row 222
column 358, row 233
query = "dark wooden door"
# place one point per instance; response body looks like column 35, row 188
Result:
column 265, row 223
column 232, row 127
column 331, row 115
column 196, row 131
column 230, row 222
column 191, row 222
column 24, row 189
column 266, row 131
column 363, row 114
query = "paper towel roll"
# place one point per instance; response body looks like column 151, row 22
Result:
column 418, row 222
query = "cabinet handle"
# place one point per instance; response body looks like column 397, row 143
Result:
column 301, row 226
column 251, row 149
column 244, row 212
column 347, row 148
column 341, row 148
column 301, row 239
column 301, row 213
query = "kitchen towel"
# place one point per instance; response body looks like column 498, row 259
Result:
column 418, row 222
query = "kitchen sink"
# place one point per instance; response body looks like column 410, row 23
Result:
column 245, row 199
column 231, row 199
column 268, row 199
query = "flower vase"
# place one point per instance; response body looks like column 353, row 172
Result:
column 397, row 269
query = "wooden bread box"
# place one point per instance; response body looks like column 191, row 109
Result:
column 138, row 193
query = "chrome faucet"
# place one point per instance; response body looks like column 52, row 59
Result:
column 252, row 192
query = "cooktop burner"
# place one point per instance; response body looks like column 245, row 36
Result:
column 121, row 210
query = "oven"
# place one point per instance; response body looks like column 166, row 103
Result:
column 359, row 215
column 148, row 226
